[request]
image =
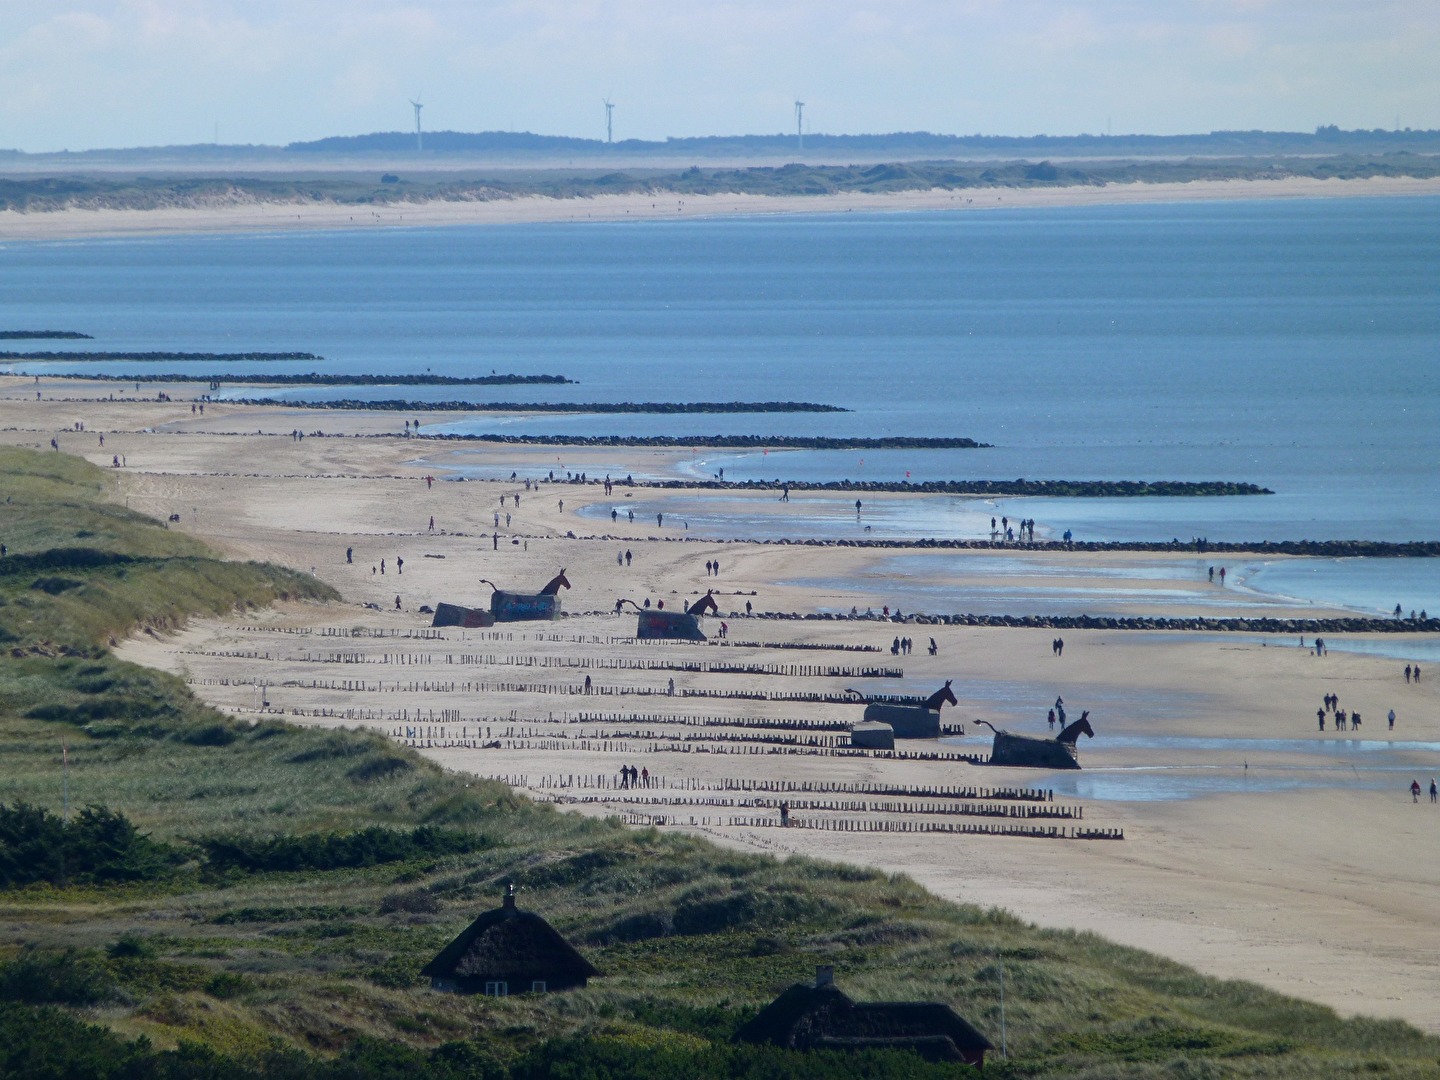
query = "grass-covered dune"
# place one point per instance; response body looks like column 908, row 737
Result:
column 229, row 900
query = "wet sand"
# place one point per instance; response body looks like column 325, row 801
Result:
column 1298, row 870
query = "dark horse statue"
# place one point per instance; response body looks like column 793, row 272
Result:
column 918, row 721
column 505, row 606
column 655, row 624
column 1028, row 751
column 515, row 607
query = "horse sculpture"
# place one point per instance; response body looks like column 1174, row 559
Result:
column 1030, row 752
column 516, row 607
column 918, row 721
column 684, row 625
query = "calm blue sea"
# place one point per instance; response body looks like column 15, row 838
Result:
column 1290, row 344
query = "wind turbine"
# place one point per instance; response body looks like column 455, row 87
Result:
column 609, row 116
column 799, row 124
column 419, row 142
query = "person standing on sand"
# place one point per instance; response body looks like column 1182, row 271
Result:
column 1050, row 719
column 1407, row 674
column 1415, row 791
column 399, row 564
column 382, row 567
column 397, row 602
column 1060, row 646
column 1391, row 718
column 349, row 554
column 1320, row 715
column 627, row 556
column 1222, row 575
column 1417, row 673
column 1433, row 790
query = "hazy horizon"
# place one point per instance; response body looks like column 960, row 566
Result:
column 92, row 74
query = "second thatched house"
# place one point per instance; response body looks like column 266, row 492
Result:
column 508, row 951
column 820, row 1016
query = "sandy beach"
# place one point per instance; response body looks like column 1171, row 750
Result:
column 74, row 224
column 1289, row 856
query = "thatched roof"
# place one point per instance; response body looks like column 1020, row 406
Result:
column 821, row 1015
column 510, row 945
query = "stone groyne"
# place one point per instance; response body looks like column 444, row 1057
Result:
column 393, row 405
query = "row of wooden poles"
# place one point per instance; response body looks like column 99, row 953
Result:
column 697, row 744
column 608, row 781
column 1040, row 832
column 1026, row 811
column 438, row 634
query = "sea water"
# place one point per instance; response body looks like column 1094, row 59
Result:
column 1289, row 344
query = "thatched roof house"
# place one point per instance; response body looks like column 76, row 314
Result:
column 820, row 1016
column 508, row 951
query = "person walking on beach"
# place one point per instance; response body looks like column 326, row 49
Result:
column 1320, row 715
column 627, row 556
column 1222, row 575
column 397, row 601
column 1415, row 791
column 1050, row 719
column 587, row 684
column 1060, row 646
column 1407, row 674
column 382, row 567
column 934, row 649
column 1417, row 673
column 1391, row 718
column 659, row 521
column 399, row 564
column 432, row 522
column 1433, row 790
column 1212, row 575
column 495, row 542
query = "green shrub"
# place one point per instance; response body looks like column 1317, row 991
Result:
column 335, row 851
column 59, row 977
column 98, row 847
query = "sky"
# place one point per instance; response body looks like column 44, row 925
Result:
column 83, row 74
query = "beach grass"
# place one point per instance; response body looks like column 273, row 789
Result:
column 262, row 967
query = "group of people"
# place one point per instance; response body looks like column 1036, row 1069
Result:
column 712, row 567
column 1057, row 647
column 1412, row 671
column 622, row 558
column 1415, row 790
column 901, row 646
column 631, row 777
column 1330, row 705
column 1222, row 575
column 1025, row 525
column 1057, row 713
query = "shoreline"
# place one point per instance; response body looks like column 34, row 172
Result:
column 75, row 224
column 1223, row 879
